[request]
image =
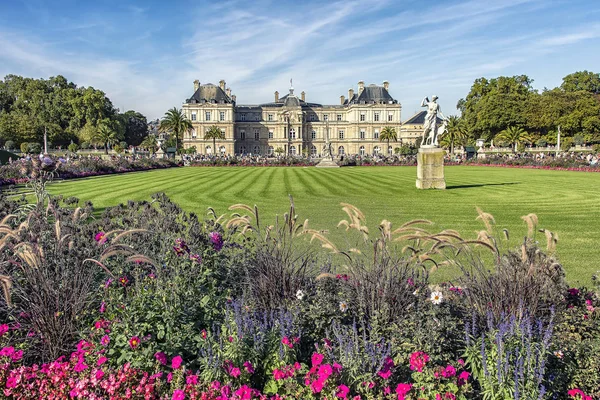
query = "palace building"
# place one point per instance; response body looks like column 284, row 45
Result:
column 291, row 125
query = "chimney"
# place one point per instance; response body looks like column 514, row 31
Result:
column 342, row 99
column 276, row 96
column 196, row 84
column 303, row 96
column 386, row 85
column 228, row 92
column 361, row 87
column 222, row 84
column 350, row 94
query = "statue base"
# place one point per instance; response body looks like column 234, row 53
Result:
column 327, row 163
column 430, row 168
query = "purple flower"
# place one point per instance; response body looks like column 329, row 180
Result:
column 217, row 240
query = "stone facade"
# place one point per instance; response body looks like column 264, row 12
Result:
column 291, row 125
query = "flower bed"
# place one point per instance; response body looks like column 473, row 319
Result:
column 148, row 301
column 16, row 172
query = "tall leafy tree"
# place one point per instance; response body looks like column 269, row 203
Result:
column 135, row 127
column 388, row 134
column 455, row 133
column 514, row 135
column 581, row 80
column 106, row 136
column 214, row 133
column 176, row 123
column 150, row 143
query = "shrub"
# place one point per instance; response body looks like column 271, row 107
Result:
column 24, row 147
column 34, row 148
column 10, row 145
column 118, row 148
column 73, row 147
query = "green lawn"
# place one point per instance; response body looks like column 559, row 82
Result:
column 566, row 202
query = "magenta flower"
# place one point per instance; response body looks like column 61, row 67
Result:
column 105, row 340
column 3, row 329
column 249, row 367
column 100, row 237
column 102, row 308
column 403, row 389
column 178, row 394
column 161, row 357
column 342, row 391
column 101, row 361
column 217, row 240
column 417, row 361
column 316, row 359
column 134, row 342
column 176, row 362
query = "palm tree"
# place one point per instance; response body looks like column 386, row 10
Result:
column 106, row 136
column 514, row 136
column 176, row 123
column 214, row 133
column 388, row 133
column 149, row 143
column 455, row 132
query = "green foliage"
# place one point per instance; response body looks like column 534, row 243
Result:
column 456, row 133
column 136, row 127
column 73, row 147
column 388, row 134
column 106, row 136
column 34, row 148
column 581, row 81
column 176, row 123
column 24, row 147
column 118, row 149
column 578, row 140
column 514, row 136
column 9, row 145
column 214, row 133
column 66, row 111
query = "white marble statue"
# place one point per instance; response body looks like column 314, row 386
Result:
column 430, row 128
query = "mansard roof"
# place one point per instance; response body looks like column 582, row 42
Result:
column 372, row 94
column 419, row 119
column 290, row 100
column 209, row 93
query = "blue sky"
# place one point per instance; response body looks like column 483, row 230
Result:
column 146, row 54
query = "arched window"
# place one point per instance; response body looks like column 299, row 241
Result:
column 292, row 149
column 341, row 150
column 292, row 133
column 256, row 150
column 222, row 149
column 271, row 150
column 362, row 150
column 208, row 150
column 313, row 150
column 376, row 150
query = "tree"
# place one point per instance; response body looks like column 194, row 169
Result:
column 455, row 132
column 106, row 136
column 150, row 143
column 175, row 122
column 514, row 136
column 136, row 127
column 582, row 80
column 214, row 133
column 388, row 133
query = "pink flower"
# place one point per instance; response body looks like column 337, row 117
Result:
column 235, row 372
column 191, row 380
column 386, row 370
column 134, row 342
column 105, row 340
column 101, row 361
column 316, row 386
column 3, row 329
column 418, row 359
column 244, row 393
column 316, row 359
column 217, row 240
column 574, row 292
column 249, row 367
column 463, row 377
column 17, row 355
column 161, row 357
column 337, row 368
column 449, row 371
column 100, row 237
column 287, row 342
column 102, row 307
column 402, row 390
column 176, row 362
column 99, row 374
column 203, row 334
column 342, row 391
column 7, row 351
column 178, row 394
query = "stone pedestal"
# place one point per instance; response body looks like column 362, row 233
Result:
column 430, row 168
column 327, row 163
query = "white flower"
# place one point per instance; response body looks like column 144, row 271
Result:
column 436, row 297
column 416, row 292
column 343, row 306
column 299, row 294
